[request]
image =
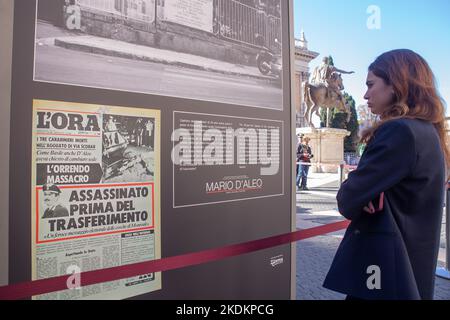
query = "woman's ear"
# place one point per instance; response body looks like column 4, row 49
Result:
column 394, row 96
column 391, row 88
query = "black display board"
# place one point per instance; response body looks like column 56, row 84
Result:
column 198, row 67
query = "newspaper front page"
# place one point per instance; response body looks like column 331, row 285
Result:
column 95, row 188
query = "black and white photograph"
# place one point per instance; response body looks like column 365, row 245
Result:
column 51, row 202
column 226, row 51
column 128, row 149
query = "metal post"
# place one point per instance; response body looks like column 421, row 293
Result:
column 156, row 15
column 341, row 172
column 445, row 272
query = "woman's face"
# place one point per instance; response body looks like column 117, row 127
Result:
column 379, row 95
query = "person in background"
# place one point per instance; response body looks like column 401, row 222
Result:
column 304, row 156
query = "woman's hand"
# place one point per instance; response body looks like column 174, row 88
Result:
column 370, row 208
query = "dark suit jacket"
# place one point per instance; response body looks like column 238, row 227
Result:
column 405, row 160
column 56, row 212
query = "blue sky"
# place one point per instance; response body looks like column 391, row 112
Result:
column 339, row 28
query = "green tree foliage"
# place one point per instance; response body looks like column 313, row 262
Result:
column 331, row 61
column 351, row 142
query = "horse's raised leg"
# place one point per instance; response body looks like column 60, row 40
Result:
column 306, row 114
column 314, row 108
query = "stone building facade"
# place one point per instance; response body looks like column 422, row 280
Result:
column 303, row 56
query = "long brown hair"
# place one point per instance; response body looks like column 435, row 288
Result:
column 415, row 93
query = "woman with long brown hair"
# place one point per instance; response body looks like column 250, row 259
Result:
column 395, row 197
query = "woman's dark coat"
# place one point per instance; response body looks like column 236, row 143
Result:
column 404, row 159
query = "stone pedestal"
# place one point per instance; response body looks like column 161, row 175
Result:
column 327, row 146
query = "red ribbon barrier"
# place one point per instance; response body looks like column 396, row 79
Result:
column 42, row 286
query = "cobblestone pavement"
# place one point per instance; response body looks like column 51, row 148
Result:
column 314, row 256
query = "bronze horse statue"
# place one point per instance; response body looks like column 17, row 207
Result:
column 321, row 95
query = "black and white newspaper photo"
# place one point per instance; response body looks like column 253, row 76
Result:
column 128, row 148
column 95, row 195
column 226, row 51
